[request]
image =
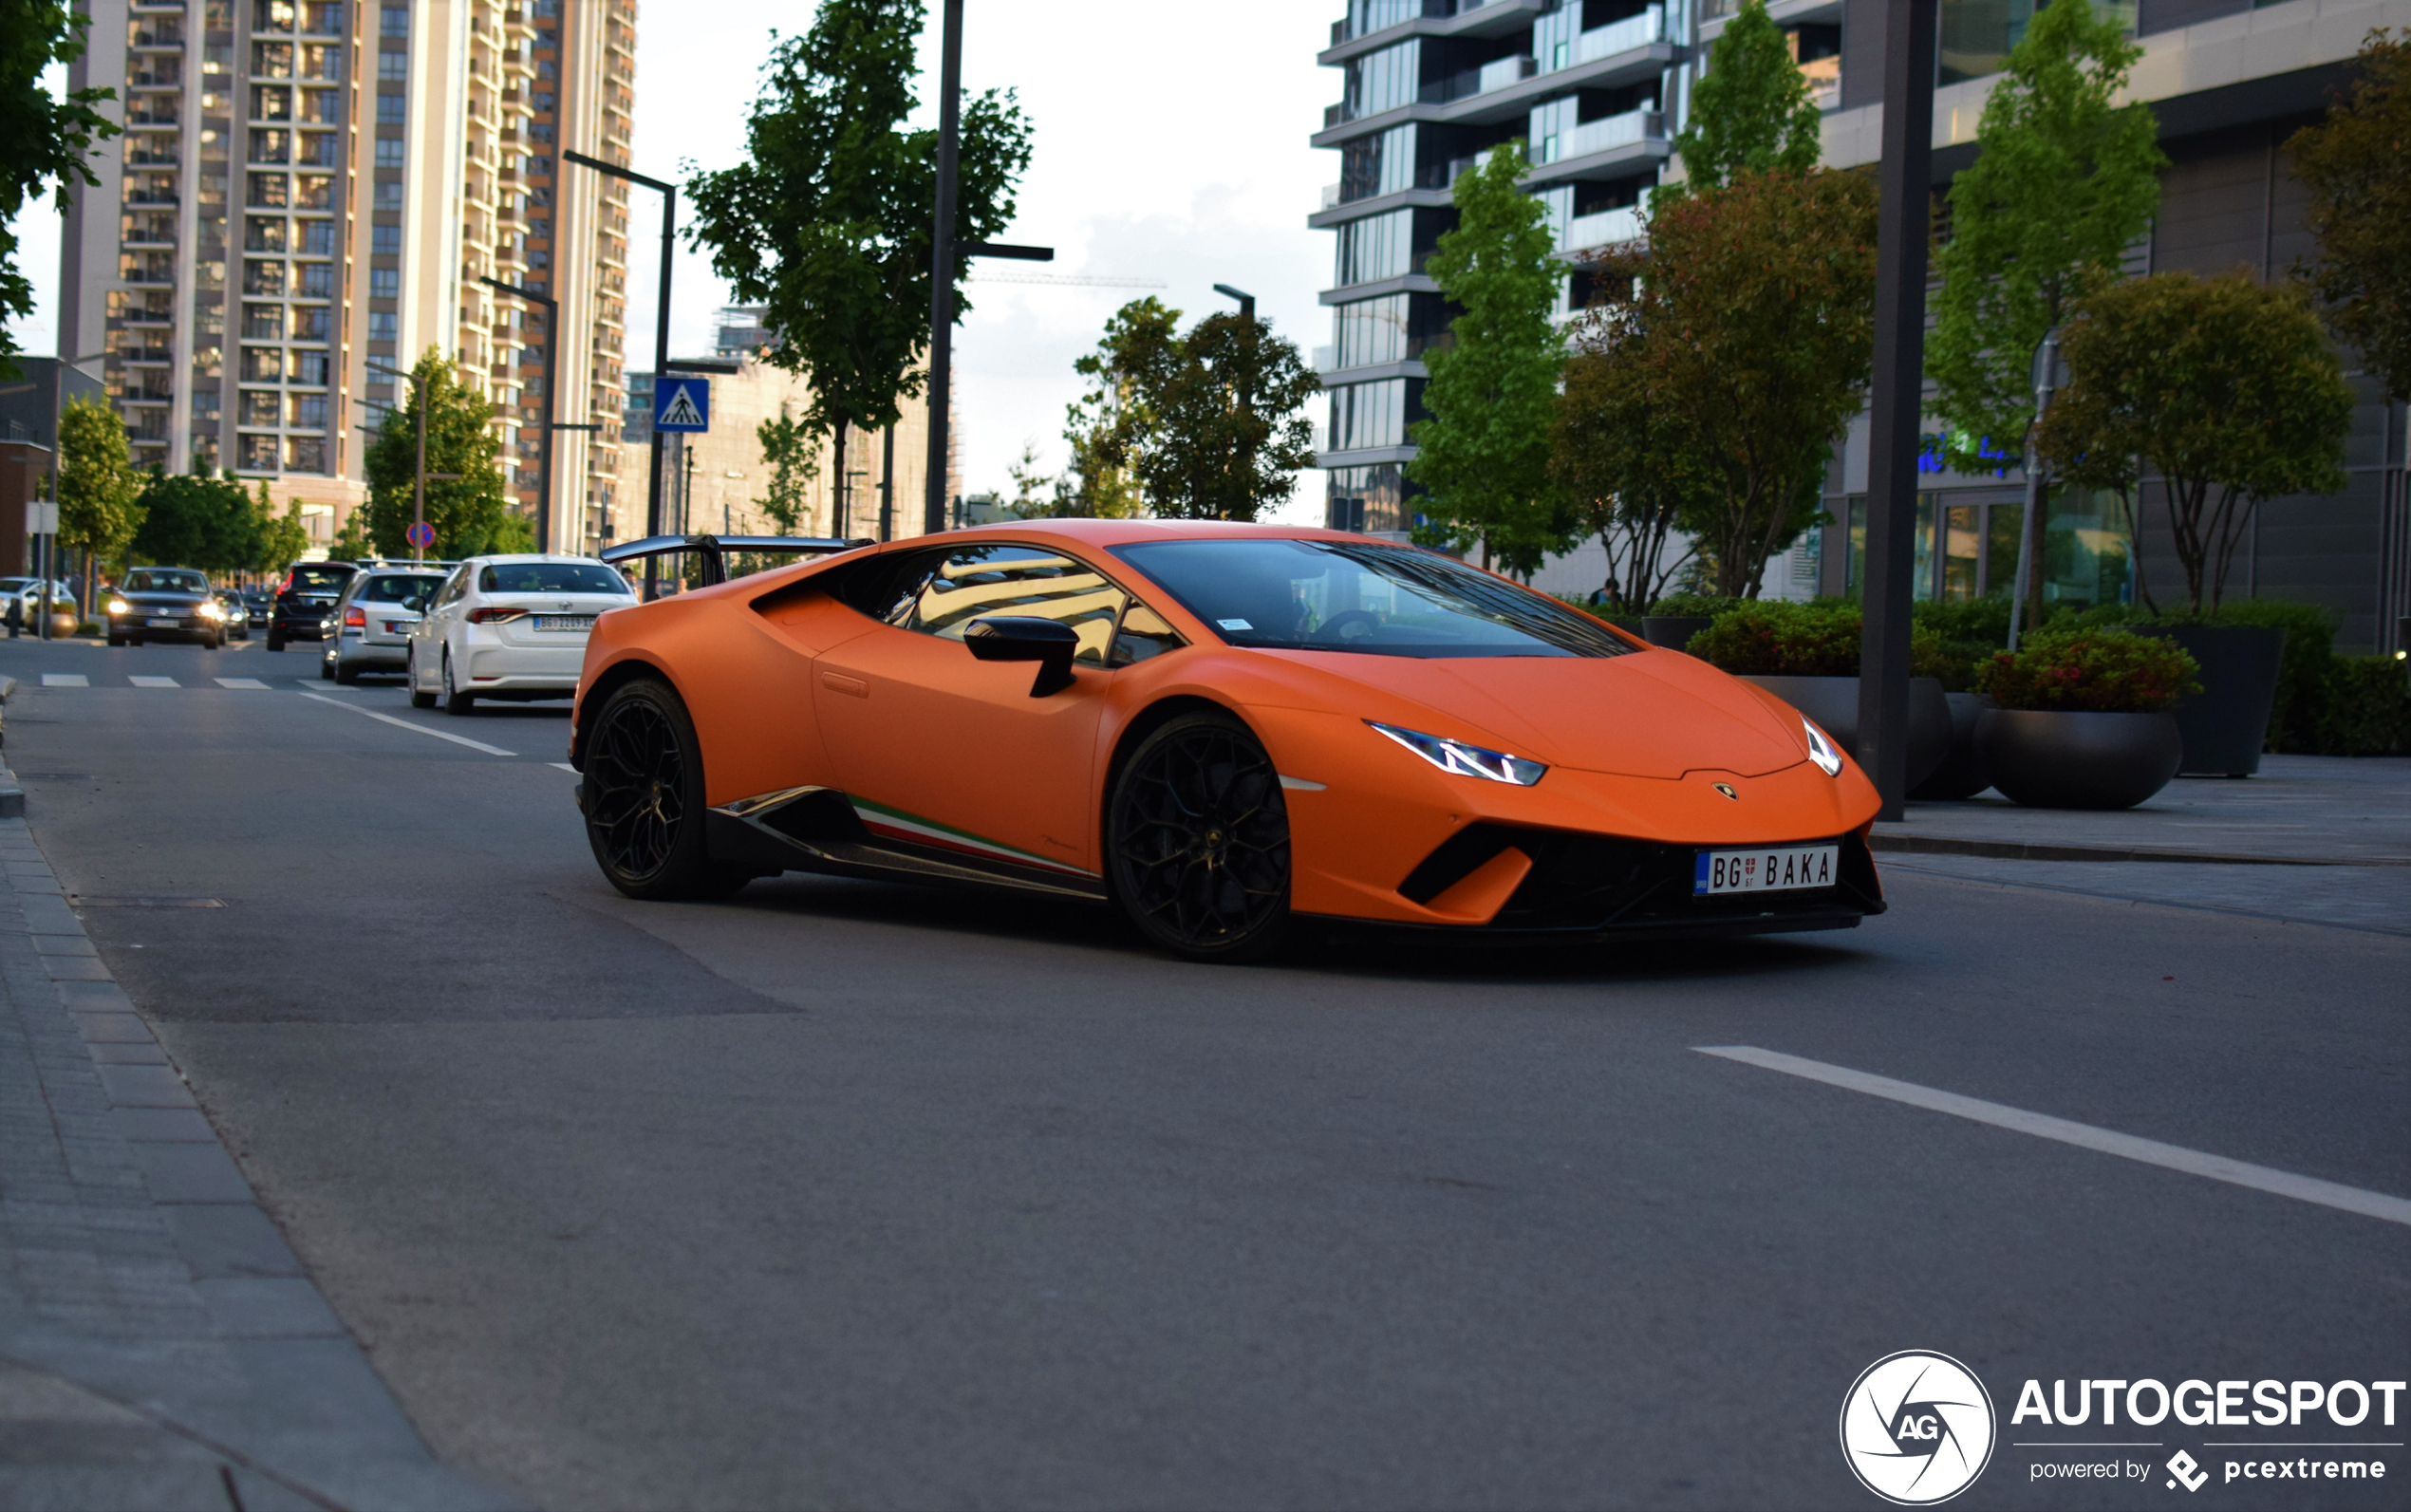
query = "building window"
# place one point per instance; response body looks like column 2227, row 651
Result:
column 263, row 278
column 1369, row 332
column 386, row 241
column 1975, row 36
column 317, row 149
column 272, row 146
column 394, row 65
column 1385, row 80
column 314, row 280
column 1376, row 247
column 204, row 452
column 264, row 234
column 311, row 322
column 307, row 412
column 259, row 407
column 257, row 453
column 263, row 364
column 263, row 323
column 395, row 22
column 389, row 151
column 391, row 110
column 205, row 404
column 381, row 324
column 267, row 192
column 1368, row 415
column 314, row 192
column 385, row 283
column 305, row 454
column 323, row 18
column 1366, row 498
column 318, row 107
column 389, row 194
column 272, row 60
column 271, row 103
column 310, row 367
column 317, row 238
column 272, row 15
column 320, row 61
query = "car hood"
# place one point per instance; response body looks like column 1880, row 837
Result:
column 1650, row 714
column 157, row 599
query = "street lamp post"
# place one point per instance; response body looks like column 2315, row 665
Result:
column 660, row 317
column 552, row 394
column 1902, row 226
column 1246, row 301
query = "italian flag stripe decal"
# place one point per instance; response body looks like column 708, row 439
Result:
column 897, row 825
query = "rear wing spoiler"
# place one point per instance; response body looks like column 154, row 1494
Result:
column 714, row 550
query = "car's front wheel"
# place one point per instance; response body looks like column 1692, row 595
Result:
column 1197, row 841
column 454, row 702
column 642, row 796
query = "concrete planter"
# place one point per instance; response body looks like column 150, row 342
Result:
column 2053, row 759
column 1961, row 773
column 2227, row 722
column 1833, row 702
column 1672, row 631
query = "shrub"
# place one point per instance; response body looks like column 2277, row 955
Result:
column 2364, row 708
column 1981, row 620
column 1819, row 638
column 2091, row 671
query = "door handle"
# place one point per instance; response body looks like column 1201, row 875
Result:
column 839, row 683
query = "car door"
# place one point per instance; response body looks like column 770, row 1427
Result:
column 430, row 633
column 940, row 749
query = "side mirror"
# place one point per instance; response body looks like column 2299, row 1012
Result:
column 1025, row 638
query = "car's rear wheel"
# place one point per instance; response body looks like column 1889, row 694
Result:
column 346, row 675
column 275, row 640
column 643, row 797
column 454, row 702
column 1197, row 841
column 420, row 697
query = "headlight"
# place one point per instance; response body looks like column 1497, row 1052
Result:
column 212, row 611
column 120, row 606
column 1466, row 761
column 1820, row 750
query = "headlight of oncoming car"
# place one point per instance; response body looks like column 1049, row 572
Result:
column 120, row 606
column 1821, row 750
column 1464, row 760
column 212, row 611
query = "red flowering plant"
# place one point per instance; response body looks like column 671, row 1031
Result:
column 2092, row 672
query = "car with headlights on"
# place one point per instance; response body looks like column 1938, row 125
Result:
column 510, row 628
column 164, row 604
column 304, row 598
column 238, row 615
column 372, row 620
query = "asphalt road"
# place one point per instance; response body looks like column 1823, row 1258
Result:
column 844, row 1193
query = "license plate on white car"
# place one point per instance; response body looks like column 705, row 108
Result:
column 565, row 621
column 1770, row 869
column 162, row 624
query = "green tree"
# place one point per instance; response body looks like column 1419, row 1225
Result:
column 1229, row 432
column 351, row 543
column 2357, row 165
column 828, row 220
column 1484, row 460
column 791, row 452
column 2064, row 178
column 1111, row 426
column 99, row 489
column 193, row 519
column 1748, row 325
column 2225, row 387
column 1752, row 111
column 471, row 515
column 42, row 141
column 1628, row 467
column 282, row 538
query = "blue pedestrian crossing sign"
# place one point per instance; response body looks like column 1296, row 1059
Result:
column 682, row 404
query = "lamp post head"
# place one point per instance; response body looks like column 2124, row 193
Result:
column 1246, row 300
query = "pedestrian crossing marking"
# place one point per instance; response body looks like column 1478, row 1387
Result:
column 155, row 683
column 65, row 679
column 242, row 682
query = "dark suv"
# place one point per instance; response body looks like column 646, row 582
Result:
column 304, row 598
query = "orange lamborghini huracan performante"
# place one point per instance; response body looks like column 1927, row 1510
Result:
column 1228, row 731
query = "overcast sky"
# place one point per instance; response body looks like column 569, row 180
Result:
column 1170, row 145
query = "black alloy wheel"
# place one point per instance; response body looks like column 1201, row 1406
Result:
column 642, row 796
column 1198, row 841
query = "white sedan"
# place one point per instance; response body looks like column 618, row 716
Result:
column 510, row 628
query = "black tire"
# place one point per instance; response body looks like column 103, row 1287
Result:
column 1197, row 842
column 454, row 702
column 410, row 675
column 134, row 640
column 346, row 676
column 643, row 797
column 117, row 639
column 275, row 641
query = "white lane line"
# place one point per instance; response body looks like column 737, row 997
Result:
column 243, row 683
column 2042, row 1126
column 155, row 683
column 65, row 679
column 563, row 766
column 405, row 724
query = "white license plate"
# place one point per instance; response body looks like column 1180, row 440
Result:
column 565, row 621
column 162, row 624
column 1770, row 869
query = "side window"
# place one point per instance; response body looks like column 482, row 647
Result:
column 453, row 590
column 974, row 581
column 1144, row 633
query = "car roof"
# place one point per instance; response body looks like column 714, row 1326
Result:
column 1103, row 534
column 535, row 556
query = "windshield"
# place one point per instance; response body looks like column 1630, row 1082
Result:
column 412, row 590
column 1381, row 600
column 153, row 580
column 319, row 579
column 549, row 577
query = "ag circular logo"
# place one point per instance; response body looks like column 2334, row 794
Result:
column 1916, row 1428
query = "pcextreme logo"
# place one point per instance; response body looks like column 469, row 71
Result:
column 1916, row 1428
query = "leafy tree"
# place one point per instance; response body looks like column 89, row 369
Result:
column 2063, row 179
column 99, row 489
column 1747, row 325
column 196, row 520
column 351, row 542
column 791, row 452
column 282, row 539
column 1628, row 467
column 1484, row 460
column 42, row 139
column 1111, row 426
column 2357, row 165
column 828, row 220
column 471, row 515
column 1751, row 110
column 2225, row 387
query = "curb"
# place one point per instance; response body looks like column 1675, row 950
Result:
column 12, row 795
column 2019, row 850
column 230, row 1348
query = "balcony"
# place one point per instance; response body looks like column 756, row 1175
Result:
column 155, row 31
column 1495, row 75
column 1617, row 37
column 1825, row 81
column 1606, row 227
column 1603, row 135
column 161, row 110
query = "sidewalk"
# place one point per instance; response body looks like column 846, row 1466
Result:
column 2319, row 810
column 160, row 1346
